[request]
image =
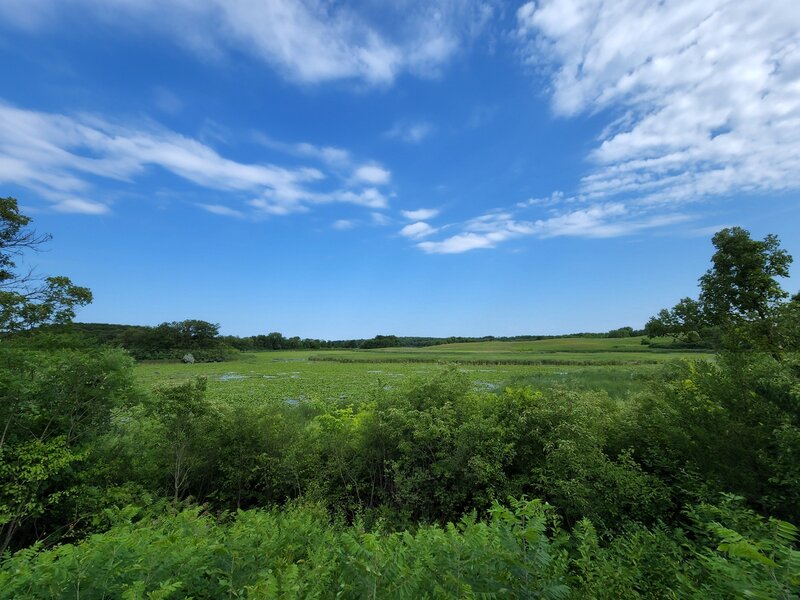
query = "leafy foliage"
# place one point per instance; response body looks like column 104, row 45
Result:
column 520, row 551
column 26, row 300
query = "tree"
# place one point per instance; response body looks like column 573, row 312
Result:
column 622, row 332
column 741, row 284
column 194, row 333
column 682, row 322
column 179, row 409
column 26, row 300
column 741, row 305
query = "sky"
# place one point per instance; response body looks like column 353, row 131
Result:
column 440, row 167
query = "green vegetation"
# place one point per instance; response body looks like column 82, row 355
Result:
column 25, row 299
column 742, row 305
column 618, row 470
column 618, row 367
column 552, row 351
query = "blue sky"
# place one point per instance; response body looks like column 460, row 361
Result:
column 344, row 169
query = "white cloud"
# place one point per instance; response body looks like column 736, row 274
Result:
column 380, row 218
column 553, row 199
column 457, row 244
column 339, row 160
column 596, row 221
column 284, row 202
column 331, row 156
column 412, row 133
column 418, row 230
column 370, row 197
column 706, row 102
column 372, row 174
column 80, row 205
column 220, row 209
column 308, row 41
column 343, row 224
column 707, row 92
column 167, row 101
column 58, row 156
column 421, row 214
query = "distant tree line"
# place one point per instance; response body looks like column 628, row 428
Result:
column 167, row 341
column 276, row 341
column 173, row 340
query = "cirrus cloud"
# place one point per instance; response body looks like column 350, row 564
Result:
column 60, row 156
column 706, row 92
column 701, row 100
column 307, row 41
column 597, row 221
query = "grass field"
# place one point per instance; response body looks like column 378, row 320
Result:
column 618, row 366
column 557, row 352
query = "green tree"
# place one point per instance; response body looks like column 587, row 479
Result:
column 180, row 410
column 682, row 322
column 53, row 407
column 741, row 285
column 742, row 305
column 25, row 299
column 194, row 333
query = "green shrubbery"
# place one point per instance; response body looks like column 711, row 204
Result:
column 521, row 551
column 633, row 487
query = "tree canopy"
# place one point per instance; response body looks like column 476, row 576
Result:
column 741, row 284
column 741, row 300
column 27, row 300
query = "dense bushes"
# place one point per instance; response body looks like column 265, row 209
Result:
column 393, row 469
column 55, row 407
column 219, row 354
column 434, row 449
column 728, row 425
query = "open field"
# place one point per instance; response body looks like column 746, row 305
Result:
column 618, row 366
column 556, row 351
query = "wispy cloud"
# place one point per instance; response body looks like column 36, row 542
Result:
column 410, row 132
column 373, row 174
column 167, row 101
column 343, row 224
column 706, row 92
column 305, row 40
column 417, row 230
column 706, row 104
column 331, row 156
column 59, row 156
column 420, row 214
column 340, row 161
column 462, row 242
column 597, row 221
column 221, row 209
column 380, row 218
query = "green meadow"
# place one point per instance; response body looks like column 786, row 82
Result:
column 618, row 366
